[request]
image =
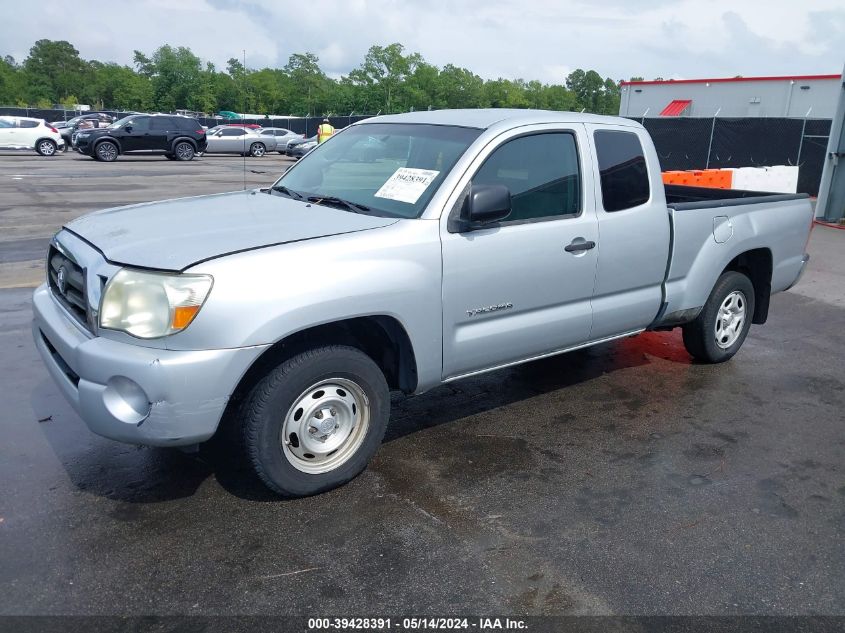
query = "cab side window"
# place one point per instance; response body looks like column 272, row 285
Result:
column 141, row 124
column 6, row 123
column 162, row 123
column 25, row 123
column 542, row 173
column 624, row 173
column 233, row 131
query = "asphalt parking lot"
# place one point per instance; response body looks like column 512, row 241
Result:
column 623, row 479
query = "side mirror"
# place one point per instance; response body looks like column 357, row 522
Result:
column 128, row 129
column 485, row 204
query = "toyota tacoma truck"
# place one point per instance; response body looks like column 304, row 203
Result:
column 406, row 251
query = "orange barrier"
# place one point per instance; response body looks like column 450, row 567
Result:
column 713, row 178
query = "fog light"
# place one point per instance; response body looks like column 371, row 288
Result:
column 125, row 400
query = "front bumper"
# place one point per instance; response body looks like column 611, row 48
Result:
column 136, row 394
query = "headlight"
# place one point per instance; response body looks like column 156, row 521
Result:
column 151, row 305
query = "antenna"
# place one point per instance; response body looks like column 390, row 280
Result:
column 243, row 94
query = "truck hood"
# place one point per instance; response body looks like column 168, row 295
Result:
column 175, row 234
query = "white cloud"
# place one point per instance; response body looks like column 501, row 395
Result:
column 541, row 39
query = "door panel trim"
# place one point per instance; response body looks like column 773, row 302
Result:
column 557, row 352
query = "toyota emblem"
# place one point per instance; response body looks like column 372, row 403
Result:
column 61, row 279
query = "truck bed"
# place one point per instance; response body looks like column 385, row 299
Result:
column 712, row 227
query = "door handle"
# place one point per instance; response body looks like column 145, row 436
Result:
column 575, row 247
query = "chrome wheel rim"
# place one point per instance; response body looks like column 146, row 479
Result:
column 257, row 150
column 47, row 148
column 730, row 319
column 184, row 151
column 107, row 151
column 325, row 426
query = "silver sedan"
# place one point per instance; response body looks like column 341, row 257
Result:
column 283, row 136
column 228, row 139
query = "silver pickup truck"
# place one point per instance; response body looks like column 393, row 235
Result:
column 406, row 251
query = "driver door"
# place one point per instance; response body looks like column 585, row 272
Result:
column 135, row 134
column 523, row 287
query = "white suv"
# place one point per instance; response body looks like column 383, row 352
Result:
column 17, row 132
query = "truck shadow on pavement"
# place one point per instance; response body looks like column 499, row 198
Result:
column 137, row 474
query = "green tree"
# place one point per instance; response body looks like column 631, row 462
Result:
column 11, row 82
column 593, row 93
column 459, row 88
column 175, row 74
column 307, row 85
column 53, row 70
column 384, row 71
column 120, row 88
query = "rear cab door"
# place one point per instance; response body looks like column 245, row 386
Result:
column 513, row 291
column 633, row 227
column 161, row 129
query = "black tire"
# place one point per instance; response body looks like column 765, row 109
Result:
column 183, row 150
column 702, row 339
column 257, row 150
column 270, row 403
column 46, row 147
column 106, row 151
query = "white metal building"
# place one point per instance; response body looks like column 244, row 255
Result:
column 804, row 96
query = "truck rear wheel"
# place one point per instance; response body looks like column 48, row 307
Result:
column 313, row 423
column 720, row 329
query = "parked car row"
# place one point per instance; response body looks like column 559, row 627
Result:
column 176, row 137
column 84, row 121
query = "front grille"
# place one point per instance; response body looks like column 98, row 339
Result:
column 67, row 282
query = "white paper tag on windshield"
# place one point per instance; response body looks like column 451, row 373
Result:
column 407, row 184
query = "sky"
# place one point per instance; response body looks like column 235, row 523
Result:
column 529, row 39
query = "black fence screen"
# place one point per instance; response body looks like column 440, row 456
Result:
column 687, row 143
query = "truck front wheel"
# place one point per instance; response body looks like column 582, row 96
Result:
column 313, row 423
column 720, row 329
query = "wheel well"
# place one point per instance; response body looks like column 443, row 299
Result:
column 382, row 338
column 757, row 266
column 179, row 139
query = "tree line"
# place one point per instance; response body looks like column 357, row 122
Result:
column 388, row 80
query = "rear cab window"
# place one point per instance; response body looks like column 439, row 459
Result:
column 623, row 169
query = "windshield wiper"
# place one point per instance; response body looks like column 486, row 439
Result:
column 289, row 192
column 351, row 206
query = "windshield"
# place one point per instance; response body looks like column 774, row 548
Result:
column 390, row 169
